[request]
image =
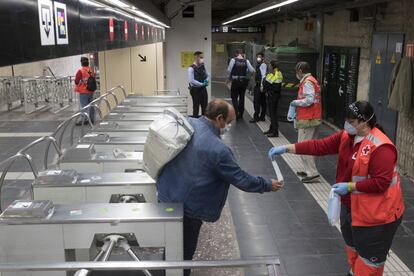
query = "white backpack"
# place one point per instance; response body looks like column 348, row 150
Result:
column 168, row 135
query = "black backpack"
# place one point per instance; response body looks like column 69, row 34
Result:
column 91, row 83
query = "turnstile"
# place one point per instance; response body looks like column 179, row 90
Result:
column 83, row 158
column 108, row 141
column 147, row 109
column 70, row 187
column 123, row 129
column 133, row 117
column 33, row 231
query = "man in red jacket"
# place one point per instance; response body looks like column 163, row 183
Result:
column 81, row 82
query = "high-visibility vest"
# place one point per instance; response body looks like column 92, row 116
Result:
column 313, row 111
column 371, row 209
column 275, row 77
column 81, row 87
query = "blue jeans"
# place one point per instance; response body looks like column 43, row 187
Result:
column 84, row 100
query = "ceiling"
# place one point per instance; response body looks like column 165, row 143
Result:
column 225, row 9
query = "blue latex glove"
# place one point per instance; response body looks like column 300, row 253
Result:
column 291, row 116
column 276, row 151
column 293, row 103
column 341, row 188
column 205, row 83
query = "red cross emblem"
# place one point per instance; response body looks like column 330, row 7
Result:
column 366, row 150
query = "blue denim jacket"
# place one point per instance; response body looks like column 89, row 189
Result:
column 200, row 175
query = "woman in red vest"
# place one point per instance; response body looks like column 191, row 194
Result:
column 81, row 82
column 368, row 183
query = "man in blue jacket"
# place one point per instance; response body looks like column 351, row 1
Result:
column 200, row 175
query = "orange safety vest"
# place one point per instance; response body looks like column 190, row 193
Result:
column 371, row 209
column 313, row 111
column 81, row 87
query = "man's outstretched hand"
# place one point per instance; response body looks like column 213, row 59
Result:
column 276, row 185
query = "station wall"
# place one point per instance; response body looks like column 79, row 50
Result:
column 138, row 69
column 186, row 35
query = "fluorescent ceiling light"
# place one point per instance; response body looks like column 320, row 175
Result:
column 146, row 16
column 91, row 3
column 284, row 3
column 118, row 3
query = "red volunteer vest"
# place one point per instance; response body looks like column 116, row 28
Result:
column 371, row 209
column 313, row 111
column 81, row 87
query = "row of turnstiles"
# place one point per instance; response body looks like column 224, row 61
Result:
column 96, row 203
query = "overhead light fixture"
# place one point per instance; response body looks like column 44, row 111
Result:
column 118, row 3
column 148, row 17
column 284, row 3
column 91, row 3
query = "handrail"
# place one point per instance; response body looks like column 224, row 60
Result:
column 87, row 107
column 270, row 263
column 115, row 88
column 51, row 140
column 63, row 126
column 9, row 162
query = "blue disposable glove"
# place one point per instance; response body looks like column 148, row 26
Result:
column 294, row 103
column 276, row 151
column 291, row 113
column 205, row 83
column 341, row 188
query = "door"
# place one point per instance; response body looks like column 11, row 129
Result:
column 340, row 82
column 387, row 50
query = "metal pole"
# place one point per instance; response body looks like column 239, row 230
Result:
column 123, row 243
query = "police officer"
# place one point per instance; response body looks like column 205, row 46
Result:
column 259, row 97
column 198, row 79
column 237, row 73
column 272, row 85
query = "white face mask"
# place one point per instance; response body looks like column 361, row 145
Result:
column 298, row 77
column 225, row 129
column 259, row 60
column 350, row 128
column 201, row 60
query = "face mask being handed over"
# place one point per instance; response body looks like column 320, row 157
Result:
column 225, row 129
column 350, row 128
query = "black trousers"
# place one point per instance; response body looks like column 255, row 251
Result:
column 259, row 101
column 238, row 90
column 200, row 98
column 191, row 229
column 273, row 101
column 372, row 243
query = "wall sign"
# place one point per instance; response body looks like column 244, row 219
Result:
column 46, row 26
column 62, row 34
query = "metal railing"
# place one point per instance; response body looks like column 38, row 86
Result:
column 176, row 92
column 9, row 163
column 60, row 131
column 272, row 265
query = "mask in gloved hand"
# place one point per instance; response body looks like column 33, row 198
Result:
column 350, row 128
column 225, row 129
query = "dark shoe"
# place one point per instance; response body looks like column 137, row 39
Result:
column 262, row 119
column 273, row 135
column 253, row 121
column 302, row 174
column 310, row 179
column 79, row 123
column 267, row 132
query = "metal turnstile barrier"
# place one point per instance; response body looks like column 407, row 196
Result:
column 272, row 264
column 11, row 95
column 61, row 93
